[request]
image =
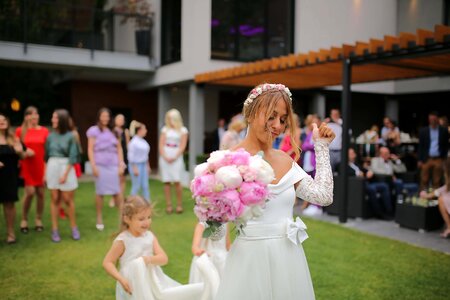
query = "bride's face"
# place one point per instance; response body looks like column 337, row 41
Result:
column 267, row 130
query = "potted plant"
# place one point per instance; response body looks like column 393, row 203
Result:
column 141, row 13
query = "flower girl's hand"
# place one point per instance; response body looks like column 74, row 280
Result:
column 197, row 251
column 147, row 259
column 126, row 285
column 323, row 132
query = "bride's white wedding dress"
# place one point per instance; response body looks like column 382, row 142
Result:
column 267, row 260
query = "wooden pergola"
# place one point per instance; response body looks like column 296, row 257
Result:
column 323, row 68
column 407, row 56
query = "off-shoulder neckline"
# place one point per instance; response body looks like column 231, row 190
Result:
column 283, row 177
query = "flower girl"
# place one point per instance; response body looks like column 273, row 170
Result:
column 216, row 250
column 140, row 256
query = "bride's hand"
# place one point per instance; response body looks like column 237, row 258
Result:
column 323, row 132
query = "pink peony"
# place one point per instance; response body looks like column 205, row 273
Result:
column 250, row 174
column 203, row 185
column 222, row 207
column 201, row 209
column 252, row 193
column 239, row 157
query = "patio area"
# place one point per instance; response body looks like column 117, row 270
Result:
column 390, row 229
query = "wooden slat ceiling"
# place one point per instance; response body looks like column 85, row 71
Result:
column 324, row 67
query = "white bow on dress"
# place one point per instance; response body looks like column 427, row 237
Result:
column 296, row 231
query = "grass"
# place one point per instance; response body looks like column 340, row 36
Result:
column 344, row 264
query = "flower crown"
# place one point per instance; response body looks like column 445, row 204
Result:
column 264, row 88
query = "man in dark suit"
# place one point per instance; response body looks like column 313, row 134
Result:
column 433, row 149
column 218, row 134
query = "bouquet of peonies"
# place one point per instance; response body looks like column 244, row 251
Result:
column 231, row 186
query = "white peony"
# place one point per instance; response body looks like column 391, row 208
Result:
column 257, row 211
column 265, row 171
column 200, row 169
column 249, row 213
column 246, row 215
column 229, row 176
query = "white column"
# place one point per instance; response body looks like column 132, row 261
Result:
column 196, row 123
column 318, row 105
column 391, row 109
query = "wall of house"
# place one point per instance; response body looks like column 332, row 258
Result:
column 413, row 14
column 323, row 23
column 424, row 14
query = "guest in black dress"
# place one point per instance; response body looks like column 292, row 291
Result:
column 124, row 137
column 10, row 152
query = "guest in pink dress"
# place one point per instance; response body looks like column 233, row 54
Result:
column 443, row 194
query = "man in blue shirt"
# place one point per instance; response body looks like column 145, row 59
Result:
column 433, row 149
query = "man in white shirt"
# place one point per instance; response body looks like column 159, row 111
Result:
column 388, row 164
column 335, row 123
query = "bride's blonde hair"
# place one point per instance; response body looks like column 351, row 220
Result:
column 266, row 102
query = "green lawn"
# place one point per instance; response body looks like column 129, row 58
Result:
column 344, row 263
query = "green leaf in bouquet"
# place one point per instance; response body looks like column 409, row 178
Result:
column 212, row 227
column 207, row 232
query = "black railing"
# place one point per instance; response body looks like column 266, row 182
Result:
column 58, row 23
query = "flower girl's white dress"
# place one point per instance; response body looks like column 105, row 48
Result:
column 217, row 253
column 267, row 260
column 148, row 282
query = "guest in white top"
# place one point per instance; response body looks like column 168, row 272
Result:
column 138, row 163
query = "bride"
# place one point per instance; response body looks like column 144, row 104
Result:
column 267, row 260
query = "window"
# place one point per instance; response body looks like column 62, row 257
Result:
column 170, row 31
column 247, row 30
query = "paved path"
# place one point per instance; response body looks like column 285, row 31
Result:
column 391, row 230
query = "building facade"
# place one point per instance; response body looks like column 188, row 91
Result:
column 188, row 37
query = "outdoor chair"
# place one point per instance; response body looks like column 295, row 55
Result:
column 357, row 199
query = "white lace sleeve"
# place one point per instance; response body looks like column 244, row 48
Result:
column 320, row 189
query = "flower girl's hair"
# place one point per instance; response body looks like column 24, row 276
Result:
column 264, row 97
column 132, row 206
